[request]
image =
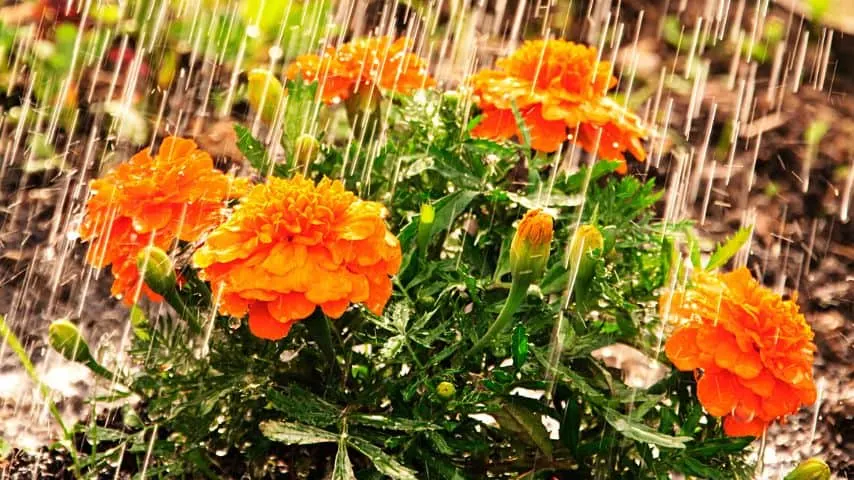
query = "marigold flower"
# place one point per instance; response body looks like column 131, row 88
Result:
column 153, row 200
column 754, row 349
column 529, row 250
column 381, row 62
column 292, row 246
column 559, row 88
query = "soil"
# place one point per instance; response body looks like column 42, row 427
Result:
column 801, row 240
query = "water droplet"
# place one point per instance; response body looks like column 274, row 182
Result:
column 234, row 323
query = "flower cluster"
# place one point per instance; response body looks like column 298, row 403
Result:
column 153, row 200
column 754, row 349
column 559, row 90
column 381, row 62
column 292, row 246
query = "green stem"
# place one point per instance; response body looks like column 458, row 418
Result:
column 189, row 314
column 19, row 350
column 318, row 327
column 518, row 290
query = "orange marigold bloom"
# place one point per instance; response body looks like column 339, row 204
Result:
column 559, row 88
column 754, row 349
column 381, row 61
column 153, row 200
column 292, row 246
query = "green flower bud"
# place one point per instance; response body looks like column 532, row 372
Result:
column 425, row 226
column 265, row 93
column 811, row 469
column 305, row 149
column 157, row 270
column 529, row 251
column 586, row 240
column 168, row 68
column 66, row 339
column 446, row 390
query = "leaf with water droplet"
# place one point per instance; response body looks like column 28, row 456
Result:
column 291, row 433
column 729, row 248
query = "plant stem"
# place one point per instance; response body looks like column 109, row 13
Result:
column 19, row 350
column 518, row 290
column 189, row 314
column 318, row 327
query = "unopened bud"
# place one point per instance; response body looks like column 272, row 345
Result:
column 265, row 93
column 157, row 270
column 529, row 251
column 425, row 226
column 446, row 390
column 586, row 240
column 811, row 469
column 305, row 149
column 66, row 339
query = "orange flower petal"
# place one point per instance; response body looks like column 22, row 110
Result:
column 736, row 428
column 718, row 392
column 681, row 348
column 263, row 325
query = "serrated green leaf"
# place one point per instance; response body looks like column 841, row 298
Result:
column 303, row 406
column 519, row 345
column 642, row 433
column 729, row 248
column 382, row 461
column 515, row 418
column 391, row 423
column 291, row 433
column 252, row 149
column 446, row 210
column 343, row 469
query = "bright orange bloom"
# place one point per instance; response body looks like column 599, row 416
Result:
column 292, row 246
column 364, row 63
column 559, row 88
column 177, row 194
column 754, row 349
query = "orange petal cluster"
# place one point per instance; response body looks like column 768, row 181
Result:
column 292, row 246
column 382, row 62
column 559, row 89
column 754, row 349
column 153, row 200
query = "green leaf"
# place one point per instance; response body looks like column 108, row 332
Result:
column 300, row 110
column 391, row 423
column 515, row 418
column 5, row 448
column 291, row 433
column 303, row 406
column 343, row 469
column 716, row 446
column 519, row 343
column 642, row 433
column 446, row 210
column 520, row 124
column 382, row 461
column 252, row 149
column 728, row 249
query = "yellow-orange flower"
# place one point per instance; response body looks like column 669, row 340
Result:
column 754, row 349
column 559, row 88
column 292, row 246
column 381, row 62
column 153, row 200
column 529, row 250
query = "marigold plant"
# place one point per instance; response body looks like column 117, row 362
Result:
column 754, row 349
column 382, row 62
column 559, row 89
column 292, row 246
column 153, row 200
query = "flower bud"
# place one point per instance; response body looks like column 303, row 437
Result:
column 811, row 469
column 66, row 339
column 586, row 240
column 305, row 149
column 265, row 93
column 529, row 251
column 425, row 226
column 446, row 390
column 157, row 270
